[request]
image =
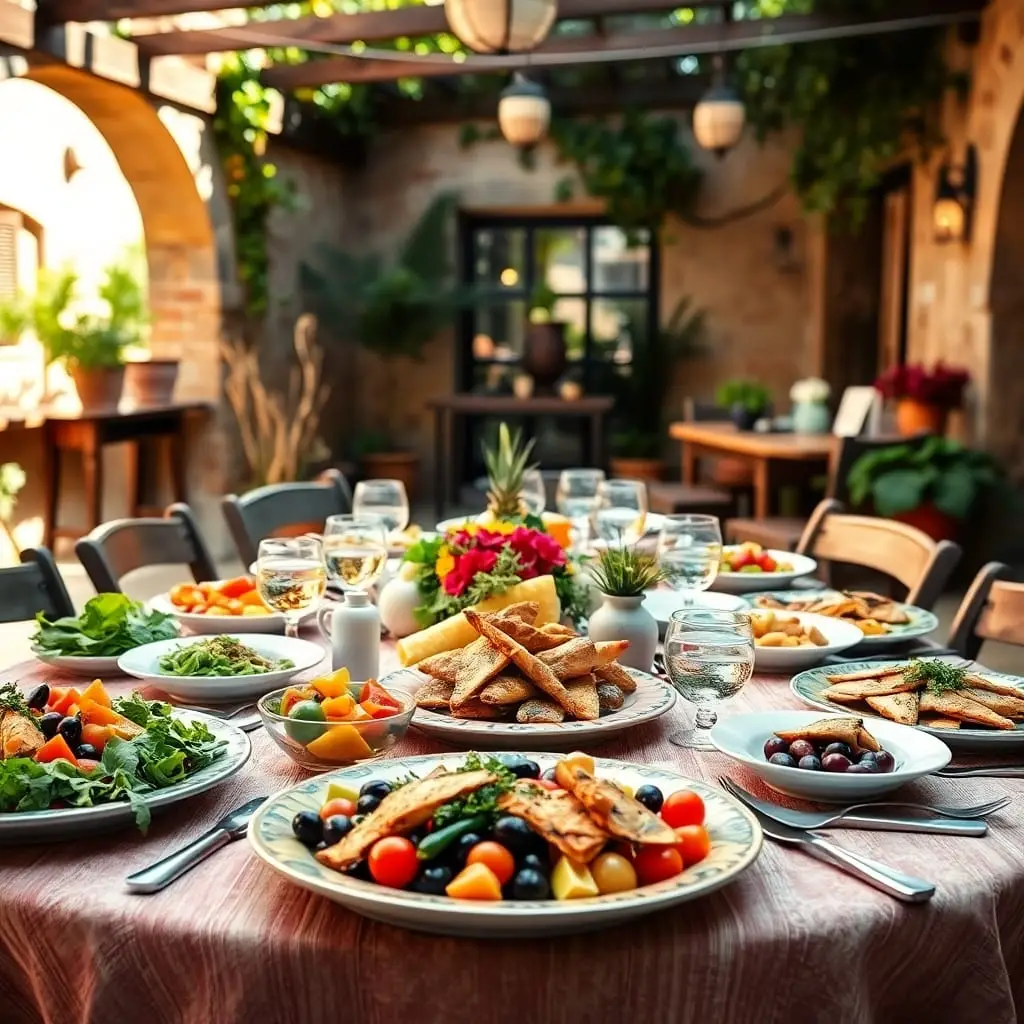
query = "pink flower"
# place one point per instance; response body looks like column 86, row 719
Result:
column 538, row 553
column 467, row 565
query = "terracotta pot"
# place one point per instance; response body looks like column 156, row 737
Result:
column 544, row 357
column 99, row 388
column 930, row 520
column 913, row 418
column 152, row 382
column 393, row 466
column 637, row 469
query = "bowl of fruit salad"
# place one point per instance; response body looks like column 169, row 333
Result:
column 748, row 567
column 830, row 760
column 332, row 722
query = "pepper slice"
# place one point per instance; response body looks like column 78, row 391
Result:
column 437, row 842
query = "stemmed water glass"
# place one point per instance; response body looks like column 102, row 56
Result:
column 709, row 656
column 356, row 550
column 575, row 498
column 290, row 577
column 690, row 549
column 620, row 511
column 533, row 493
column 384, row 498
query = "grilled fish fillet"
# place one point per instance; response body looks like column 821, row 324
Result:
column 19, row 735
column 401, row 811
column 509, row 689
column 559, row 818
column 898, row 707
column 953, row 704
column 617, row 675
column 540, row 712
column 613, row 811
column 834, row 730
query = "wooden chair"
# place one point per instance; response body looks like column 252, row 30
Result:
column 903, row 553
column 993, row 609
column 34, row 586
column 284, row 510
column 113, row 550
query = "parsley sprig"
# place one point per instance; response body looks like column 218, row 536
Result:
column 483, row 800
column 938, row 676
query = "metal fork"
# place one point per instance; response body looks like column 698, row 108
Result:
column 225, row 712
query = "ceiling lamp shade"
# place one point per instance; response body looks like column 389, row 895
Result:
column 720, row 116
column 524, row 112
column 501, row 26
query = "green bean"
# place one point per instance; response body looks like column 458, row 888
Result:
column 219, row 656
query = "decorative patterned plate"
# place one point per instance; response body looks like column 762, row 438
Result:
column 72, row 822
column 76, row 665
column 809, row 685
column 735, row 843
column 921, row 623
column 651, row 700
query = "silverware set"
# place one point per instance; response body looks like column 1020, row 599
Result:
column 983, row 771
column 229, row 713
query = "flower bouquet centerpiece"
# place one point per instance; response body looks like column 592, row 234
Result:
column 924, row 398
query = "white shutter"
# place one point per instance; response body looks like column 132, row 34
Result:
column 10, row 228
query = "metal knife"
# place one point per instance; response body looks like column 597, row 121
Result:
column 873, row 820
column 983, row 771
column 888, row 880
column 160, row 875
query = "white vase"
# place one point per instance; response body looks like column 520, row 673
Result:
column 811, row 418
column 397, row 602
column 625, row 618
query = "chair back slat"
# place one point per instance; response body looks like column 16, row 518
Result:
column 284, row 510
column 34, row 586
column 1003, row 616
column 992, row 609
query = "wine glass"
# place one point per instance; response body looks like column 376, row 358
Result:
column 533, row 493
column 709, row 656
column 356, row 550
column 290, row 577
column 384, row 498
column 575, row 498
column 689, row 549
column 620, row 511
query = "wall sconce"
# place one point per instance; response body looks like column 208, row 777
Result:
column 71, row 164
column 954, row 199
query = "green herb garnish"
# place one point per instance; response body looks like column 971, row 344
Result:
column 624, row 572
column 482, row 801
column 12, row 699
column 938, row 676
column 110, row 624
column 219, row 656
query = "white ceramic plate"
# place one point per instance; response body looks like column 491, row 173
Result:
column 735, row 843
column 921, row 623
column 662, row 603
column 651, row 700
column 840, row 635
column 809, row 685
column 72, row 822
column 77, row 666
column 742, row 737
column 207, row 625
column 746, row 582
column 143, row 663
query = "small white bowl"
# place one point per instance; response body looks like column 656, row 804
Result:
column 841, row 636
column 749, row 582
column 742, row 738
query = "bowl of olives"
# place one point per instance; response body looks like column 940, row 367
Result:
column 831, row 758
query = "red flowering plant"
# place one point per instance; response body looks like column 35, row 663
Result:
column 942, row 386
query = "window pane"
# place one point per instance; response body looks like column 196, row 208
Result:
column 617, row 267
column 500, row 258
column 498, row 331
column 618, row 326
column 560, row 259
column 573, row 313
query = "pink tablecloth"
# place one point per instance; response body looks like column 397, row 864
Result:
column 791, row 941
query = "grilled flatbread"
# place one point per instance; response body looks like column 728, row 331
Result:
column 1009, row 707
column 982, row 683
column 613, row 810
column 834, row 730
column 559, row 818
column 583, row 694
column 952, row 704
column 509, row 689
column 859, row 689
column 939, row 723
column 609, row 650
column 609, row 697
column 476, row 710
column 540, row 712
column 434, row 695
column 576, row 658
column 401, row 811
column 617, row 675
column 864, row 673
column 898, row 707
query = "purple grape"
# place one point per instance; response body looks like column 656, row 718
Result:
column 865, row 767
column 838, row 748
column 776, row 745
column 782, row 760
column 802, row 748
column 835, row 763
column 885, row 761
column 810, row 763
column 866, row 756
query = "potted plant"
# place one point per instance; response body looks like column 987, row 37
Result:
column 924, row 398
column 393, row 310
column 15, row 318
column 641, row 389
column 746, row 400
column 811, row 414
column 544, row 355
column 934, row 486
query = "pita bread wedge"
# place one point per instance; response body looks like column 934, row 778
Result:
column 509, row 689
column 876, row 686
column 479, row 664
column 952, row 704
column 533, row 639
column 934, row 722
column 583, row 694
column 979, row 682
column 576, row 658
column 609, row 651
column 616, row 675
column 540, row 712
column 609, row 697
column 897, row 707
column 1009, row 707
column 837, row 729
column 435, row 695
column 475, row 709
column 865, row 673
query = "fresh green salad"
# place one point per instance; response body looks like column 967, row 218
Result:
column 163, row 752
column 109, row 625
column 219, row 656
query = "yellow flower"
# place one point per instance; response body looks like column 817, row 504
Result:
column 503, row 528
column 444, row 564
column 558, row 529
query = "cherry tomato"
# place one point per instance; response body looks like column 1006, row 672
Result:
column 613, row 873
column 339, row 805
column 682, row 808
column 694, row 844
column 767, row 563
column 656, row 863
column 495, row 857
column 392, row 861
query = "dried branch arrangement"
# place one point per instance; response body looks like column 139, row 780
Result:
column 279, row 431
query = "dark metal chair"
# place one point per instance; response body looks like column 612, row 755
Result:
column 113, row 550
column 992, row 609
column 34, row 586
column 284, row 510
column 903, row 553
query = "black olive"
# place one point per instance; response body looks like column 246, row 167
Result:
column 521, row 767
column 71, row 730
column 49, row 722
column 536, row 863
column 308, row 828
column 367, row 803
column 87, row 750
column 514, row 834
column 464, row 845
column 378, row 788
column 433, row 880
column 360, row 870
column 336, row 827
column 530, row 885
column 651, row 797
column 38, row 697
column 549, row 775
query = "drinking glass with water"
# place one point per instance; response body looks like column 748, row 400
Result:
column 576, row 497
column 690, row 549
column 709, row 656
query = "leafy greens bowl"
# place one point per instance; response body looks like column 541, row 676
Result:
column 90, row 644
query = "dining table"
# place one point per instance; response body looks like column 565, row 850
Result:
column 790, row 940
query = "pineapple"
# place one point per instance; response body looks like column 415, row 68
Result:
column 506, row 466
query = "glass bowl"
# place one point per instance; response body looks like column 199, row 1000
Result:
column 335, row 744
